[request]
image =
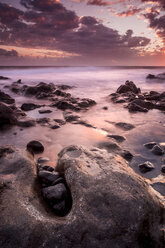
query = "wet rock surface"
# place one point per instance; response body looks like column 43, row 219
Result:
column 6, row 98
column 93, row 177
column 137, row 101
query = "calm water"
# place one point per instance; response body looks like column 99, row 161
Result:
column 95, row 83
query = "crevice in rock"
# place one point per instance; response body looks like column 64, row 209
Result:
column 54, row 190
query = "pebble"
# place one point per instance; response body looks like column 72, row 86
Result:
column 157, row 150
column 146, row 166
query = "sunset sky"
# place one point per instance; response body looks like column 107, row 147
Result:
column 82, row 32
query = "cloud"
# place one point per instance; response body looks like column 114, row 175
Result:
column 47, row 24
column 130, row 12
column 6, row 53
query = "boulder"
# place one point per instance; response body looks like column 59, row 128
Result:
column 129, row 86
column 150, row 145
column 35, row 146
column 112, row 206
column 133, row 107
column 7, row 115
column 157, row 150
column 6, row 98
column 48, row 177
column 151, row 76
column 30, row 106
column 3, row 78
column 146, row 166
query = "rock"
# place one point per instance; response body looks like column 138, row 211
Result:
column 100, row 198
column 59, row 208
column 60, row 121
column 4, row 150
column 163, row 168
column 45, row 111
column 41, row 167
column 65, row 87
column 160, row 187
column 105, row 108
column 157, row 150
column 146, row 166
column 109, row 146
column 48, row 177
column 112, row 205
column 126, row 155
column 83, row 123
column 39, row 89
column 7, row 115
column 151, row 76
column 62, row 93
column 29, row 106
column 69, row 116
column 150, row 145
column 133, row 107
column 6, row 98
column 56, row 126
column 64, row 105
column 160, row 106
column 118, row 138
column 4, row 78
column 35, row 146
column 43, row 160
column 125, row 126
column 55, row 193
column 128, row 86
column 27, row 122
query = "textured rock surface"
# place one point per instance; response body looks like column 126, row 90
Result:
column 112, row 206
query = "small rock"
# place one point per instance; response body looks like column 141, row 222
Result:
column 105, row 108
column 163, row 168
column 46, row 111
column 3, row 78
column 43, row 160
column 124, row 126
column 59, row 208
column 118, row 138
column 157, row 150
column 151, row 76
column 55, row 193
column 45, row 168
column 146, row 166
column 29, row 106
column 127, row 155
column 150, row 145
column 133, row 107
column 55, row 126
column 35, row 146
column 47, row 176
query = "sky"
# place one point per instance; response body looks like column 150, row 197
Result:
column 82, row 32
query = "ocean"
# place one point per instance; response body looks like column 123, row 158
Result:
column 95, row 83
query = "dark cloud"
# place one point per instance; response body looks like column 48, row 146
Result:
column 6, row 53
column 48, row 24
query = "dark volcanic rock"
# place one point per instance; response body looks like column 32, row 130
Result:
column 145, row 167
column 118, row 138
column 157, row 150
column 109, row 146
column 35, row 146
column 150, row 145
column 151, row 76
column 7, row 115
column 133, row 107
column 45, row 111
column 3, row 78
column 112, row 205
column 39, row 89
column 27, row 122
column 44, row 168
column 126, row 155
column 42, row 160
column 29, row 106
column 163, row 168
column 55, row 193
column 47, row 176
column 124, row 126
column 6, row 98
column 128, row 86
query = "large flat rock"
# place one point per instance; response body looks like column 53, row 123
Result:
column 112, row 206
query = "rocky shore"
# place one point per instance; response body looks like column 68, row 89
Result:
column 90, row 197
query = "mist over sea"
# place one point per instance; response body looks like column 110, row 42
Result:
column 95, row 83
